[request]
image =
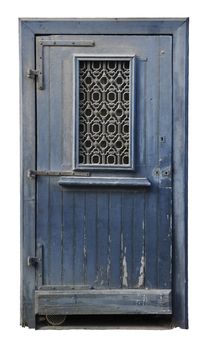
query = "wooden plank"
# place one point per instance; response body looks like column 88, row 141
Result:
column 180, row 180
column 55, row 233
column 43, row 162
column 151, row 161
column 141, row 91
column 67, row 103
column 113, row 301
column 165, row 106
column 138, row 251
column 127, row 239
column 165, row 238
column 27, row 114
column 91, row 238
column 104, row 26
column 55, row 149
column 79, row 227
column 152, row 105
column 114, row 263
column 104, row 181
column 165, row 162
column 102, row 238
column 68, row 237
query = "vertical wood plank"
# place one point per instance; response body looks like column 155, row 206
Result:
column 126, row 239
column 27, row 109
column 102, row 238
column 43, row 163
column 55, row 233
column 67, row 107
column 114, row 263
column 141, row 90
column 152, row 144
column 79, row 224
column 55, row 147
column 165, row 162
column 91, row 238
column 165, row 238
column 138, row 275
column 68, row 237
column 152, row 101
column 180, row 179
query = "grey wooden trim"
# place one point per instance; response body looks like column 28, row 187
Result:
column 113, row 301
column 104, row 181
column 28, row 160
column 180, row 178
column 104, row 25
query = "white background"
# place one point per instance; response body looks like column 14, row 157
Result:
column 12, row 335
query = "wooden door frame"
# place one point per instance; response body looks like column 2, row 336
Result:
column 178, row 28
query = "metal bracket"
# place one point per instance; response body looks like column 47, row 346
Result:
column 32, row 73
column 163, row 172
column 33, row 260
column 37, row 262
column 31, row 174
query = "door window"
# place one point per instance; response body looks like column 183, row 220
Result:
column 104, row 111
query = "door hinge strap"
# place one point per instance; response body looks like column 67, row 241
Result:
column 34, row 173
column 54, row 42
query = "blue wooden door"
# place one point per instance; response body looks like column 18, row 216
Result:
column 104, row 186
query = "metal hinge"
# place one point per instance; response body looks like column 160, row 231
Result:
column 32, row 73
column 33, row 173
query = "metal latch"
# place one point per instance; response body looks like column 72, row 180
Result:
column 37, row 263
column 33, row 260
column 32, row 73
column 33, row 173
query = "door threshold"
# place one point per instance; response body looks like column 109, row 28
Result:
column 141, row 322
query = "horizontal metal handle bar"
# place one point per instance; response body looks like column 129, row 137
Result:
column 105, row 181
column 34, row 173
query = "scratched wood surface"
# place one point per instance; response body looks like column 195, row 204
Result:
column 106, row 238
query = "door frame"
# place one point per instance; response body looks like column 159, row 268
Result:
column 178, row 28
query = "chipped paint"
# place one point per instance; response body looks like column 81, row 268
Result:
column 125, row 270
column 143, row 225
column 141, row 273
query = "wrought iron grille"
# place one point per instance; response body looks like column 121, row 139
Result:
column 104, row 112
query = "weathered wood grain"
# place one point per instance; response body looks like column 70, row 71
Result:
column 97, row 238
column 104, row 302
column 27, row 112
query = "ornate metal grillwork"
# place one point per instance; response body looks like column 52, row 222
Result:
column 104, row 112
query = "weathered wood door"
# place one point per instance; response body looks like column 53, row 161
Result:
column 104, row 169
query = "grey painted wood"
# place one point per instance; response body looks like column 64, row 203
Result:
column 104, row 302
column 180, row 178
column 91, row 238
column 151, row 161
column 27, row 111
column 104, row 182
column 68, row 238
column 165, row 162
column 104, row 26
column 161, row 184
column 124, row 256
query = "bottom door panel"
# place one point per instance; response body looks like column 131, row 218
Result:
column 153, row 301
